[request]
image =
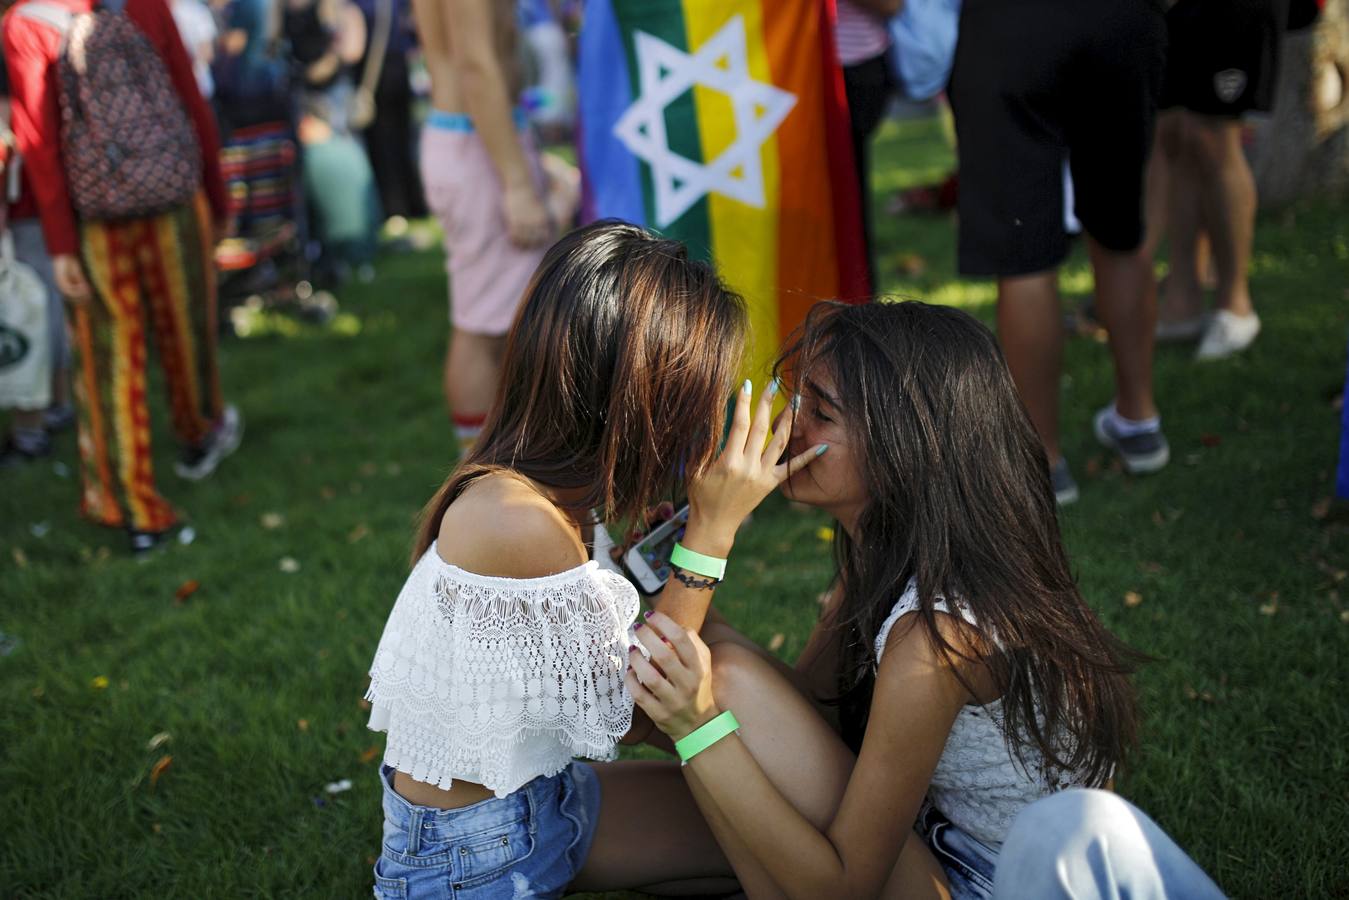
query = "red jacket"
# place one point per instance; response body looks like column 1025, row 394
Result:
column 31, row 49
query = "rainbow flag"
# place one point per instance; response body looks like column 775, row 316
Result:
column 724, row 124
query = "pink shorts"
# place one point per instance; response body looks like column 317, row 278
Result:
column 487, row 273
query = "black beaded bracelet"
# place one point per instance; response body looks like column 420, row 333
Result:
column 693, row 581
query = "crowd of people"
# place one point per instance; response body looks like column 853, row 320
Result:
column 959, row 713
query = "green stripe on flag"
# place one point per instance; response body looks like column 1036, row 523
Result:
column 664, row 19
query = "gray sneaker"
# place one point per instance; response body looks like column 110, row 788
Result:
column 199, row 462
column 1065, row 488
column 1140, row 453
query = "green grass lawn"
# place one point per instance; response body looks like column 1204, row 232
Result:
column 256, row 676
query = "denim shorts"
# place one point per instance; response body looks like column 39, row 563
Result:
column 530, row 843
column 967, row 861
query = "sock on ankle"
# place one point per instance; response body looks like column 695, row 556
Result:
column 467, row 428
column 1131, row 427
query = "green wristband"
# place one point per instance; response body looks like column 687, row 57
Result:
column 707, row 566
column 698, row 740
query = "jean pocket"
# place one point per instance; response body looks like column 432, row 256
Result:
column 389, row 888
column 488, row 854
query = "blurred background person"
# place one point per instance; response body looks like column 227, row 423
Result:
column 115, row 259
column 1036, row 86
column 1222, row 62
column 485, row 184
column 390, row 136
column 30, row 430
column 327, row 38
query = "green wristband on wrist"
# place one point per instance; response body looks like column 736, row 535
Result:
column 697, row 563
column 698, row 740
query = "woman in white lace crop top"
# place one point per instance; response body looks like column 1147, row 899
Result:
column 956, row 674
column 503, row 657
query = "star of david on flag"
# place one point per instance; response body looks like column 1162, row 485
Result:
column 724, row 124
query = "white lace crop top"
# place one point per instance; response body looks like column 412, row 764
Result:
column 500, row 680
column 977, row 784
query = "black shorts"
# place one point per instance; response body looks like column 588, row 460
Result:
column 1223, row 55
column 1037, row 83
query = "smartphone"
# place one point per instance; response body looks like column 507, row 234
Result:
column 648, row 560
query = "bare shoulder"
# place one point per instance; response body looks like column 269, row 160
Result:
column 909, row 650
column 501, row 526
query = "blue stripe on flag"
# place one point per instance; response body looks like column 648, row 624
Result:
column 605, row 94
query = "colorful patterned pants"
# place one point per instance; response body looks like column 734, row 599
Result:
column 161, row 265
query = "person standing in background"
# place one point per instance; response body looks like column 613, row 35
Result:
column 485, row 184
column 196, row 26
column 1222, row 62
column 390, row 139
column 114, row 269
column 1035, row 86
column 30, row 432
column 862, row 39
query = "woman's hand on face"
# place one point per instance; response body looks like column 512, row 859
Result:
column 744, row 474
column 674, row 687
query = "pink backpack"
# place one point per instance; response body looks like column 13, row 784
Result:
column 127, row 144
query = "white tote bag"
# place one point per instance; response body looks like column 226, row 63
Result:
column 25, row 357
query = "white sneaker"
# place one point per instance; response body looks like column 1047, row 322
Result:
column 1227, row 334
column 197, row 463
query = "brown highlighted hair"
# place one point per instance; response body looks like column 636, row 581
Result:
column 961, row 505
column 616, row 375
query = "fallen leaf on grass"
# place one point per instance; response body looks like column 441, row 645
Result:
column 158, row 740
column 338, row 787
column 1157, row 518
column 156, row 828
column 241, row 500
column 289, row 564
column 271, row 520
column 327, row 492
column 1326, row 568
column 1192, row 694
column 360, row 531
column 20, row 558
column 38, row 692
column 1321, row 509
column 1132, row 599
column 368, row 754
column 302, row 724
column 1093, row 467
column 158, row 770
column 1270, row 608
column 1150, row 568
column 368, row 469
column 185, row 590
column 99, row 682
column 910, row 264
column 393, row 469
column 1344, row 615
column 824, row 533
column 776, row 642
column 1210, row 440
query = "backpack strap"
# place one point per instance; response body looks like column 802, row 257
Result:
column 53, row 15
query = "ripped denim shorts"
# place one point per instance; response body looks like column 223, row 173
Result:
column 530, row 843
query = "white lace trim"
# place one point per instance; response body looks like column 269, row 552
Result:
column 500, row 680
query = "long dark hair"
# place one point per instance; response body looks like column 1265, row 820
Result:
column 961, row 504
column 617, row 367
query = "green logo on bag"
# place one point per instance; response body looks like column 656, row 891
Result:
column 13, row 347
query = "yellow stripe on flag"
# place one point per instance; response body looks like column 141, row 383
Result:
column 744, row 238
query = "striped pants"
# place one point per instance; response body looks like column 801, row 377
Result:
column 162, row 265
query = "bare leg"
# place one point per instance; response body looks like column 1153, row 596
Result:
column 1030, row 329
column 1183, row 298
column 651, row 836
column 1228, row 197
column 472, row 372
column 804, row 759
column 1127, row 297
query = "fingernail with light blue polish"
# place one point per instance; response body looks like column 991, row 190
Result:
column 747, row 387
column 796, row 402
column 773, row 387
column 820, row 452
